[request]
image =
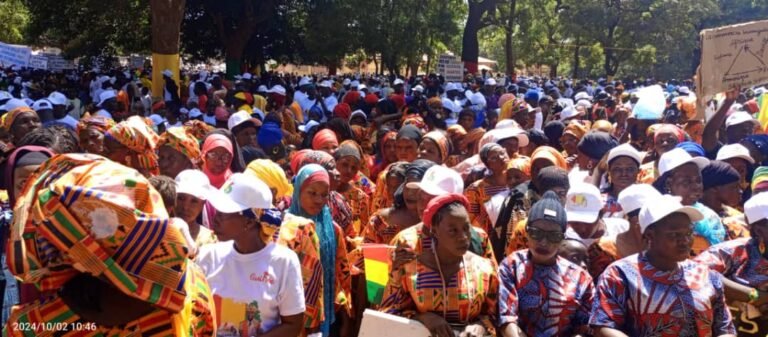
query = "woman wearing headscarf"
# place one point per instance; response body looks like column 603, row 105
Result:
column 133, row 143
column 681, row 176
column 22, row 163
column 348, row 160
column 129, row 274
column 340, row 210
column 665, row 138
column 434, row 146
column 742, row 263
column 468, row 280
column 325, row 140
column 506, row 209
column 273, row 175
column 540, row 292
column 217, row 155
column 388, row 221
column 541, row 158
column 495, row 159
column 722, row 194
column 19, row 122
column 554, row 131
column 407, row 143
column 311, row 189
column 516, row 109
column 251, row 276
column 571, row 137
column 456, row 134
column 177, row 151
column 90, row 132
column 386, row 154
column 592, row 148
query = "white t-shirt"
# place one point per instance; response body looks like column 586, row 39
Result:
column 252, row 291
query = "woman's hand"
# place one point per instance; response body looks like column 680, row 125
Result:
column 437, row 326
column 402, row 255
column 474, row 330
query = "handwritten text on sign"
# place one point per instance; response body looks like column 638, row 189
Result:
column 734, row 56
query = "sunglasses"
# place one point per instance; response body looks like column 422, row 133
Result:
column 540, row 235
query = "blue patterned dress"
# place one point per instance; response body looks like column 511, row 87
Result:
column 638, row 299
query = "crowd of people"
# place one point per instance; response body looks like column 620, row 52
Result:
column 510, row 206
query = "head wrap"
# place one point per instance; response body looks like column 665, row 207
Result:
column 693, row 148
column 10, row 117
column 100, row 123
column 441, row 141
column 759, row 176
column 325, row 232
column 549, row 154
column 438, row 203
column 317, row 157
column 270, row 135
column 651, row 130
column 576, row 129
column 197, row 129
column 138, row 137
column 221, row 113
column 551, row 177
column 342, row 110
column 14, row 161
column 486, row 150
column 352, row 98
column 415, row 120
column 537, row 137
column 506, row 98
column 554, row 130
column 399, row 100
column 597, row 143
column 349, row 148
column 418, row 168
column 217, row 141
column 409, row 132
column 718, row 173
column 178, row 139
column 456, row 131
column 324, row 137
column 512, row 107
column 89, row 213
column 272, row 175
column 371, row 99
column 670, row 128
column 435, row 103
column 603, row 125
column 472, row 137
column 389, row 136
column 522, row 164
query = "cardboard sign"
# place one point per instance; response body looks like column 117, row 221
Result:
column 732, row 56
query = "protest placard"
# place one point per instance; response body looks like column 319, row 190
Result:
column 17, row 55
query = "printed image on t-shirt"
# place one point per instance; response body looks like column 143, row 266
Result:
column 237, row 319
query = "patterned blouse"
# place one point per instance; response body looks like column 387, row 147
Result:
column 478, row 194
column 379, row 230
column 647, row 173
column 544, row 300
column 739, row 260
column 364, row 183
column 638, row 299
column 600, row 254
column 611, row 206
column 464, row 298
column 360, row 204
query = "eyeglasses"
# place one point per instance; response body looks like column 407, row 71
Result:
column 540, row 235
column 216, row 156
column 679, row 236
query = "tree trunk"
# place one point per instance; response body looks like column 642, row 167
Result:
column 470, row 47
column 333, row 66
column 576, row 59
column 553, row 70
column 234, row 55
column 165, row 16
column 509, row 31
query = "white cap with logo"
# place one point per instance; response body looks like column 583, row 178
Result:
column 658, row 208
column 583, row 203
column 439, row 180
column 241, row 192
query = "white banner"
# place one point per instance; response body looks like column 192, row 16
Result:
column 58, row 63
column 451, row 68
column 11, row 55
column 38, row 62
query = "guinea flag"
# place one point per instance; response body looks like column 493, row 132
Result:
column 762, row 115
column 377, row 260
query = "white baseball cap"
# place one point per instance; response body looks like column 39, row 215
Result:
column 658, row 208
column 397, row 81
column 583, row 203
column 57, row 98
column 362, row 87
column 511, row 132
column 684, row 90
column 306, row 128
column 262, row 88
column 238, row 118
column 734, row 151
column 451, row 105
column 106, row 95
column 325, row 84
column 168, row 72
column 241, row 192
column 354, row 84
column 195, row 112
column 277, row 89
column 678, row 157
column 635, row 196
column 304, row 81
column 490, row 81
column 42, row 104
column 357, row 113
column 625, row 150
column 418, row 88
column 194, row 183
column 738, row 117
column 756, row 208
column 247, row 76
column 506, row 124
column 346, row 81
column 439, row 180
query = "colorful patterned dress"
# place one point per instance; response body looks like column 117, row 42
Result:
column 467, row 297
column 478, row 194
column 364, row 183
column 379, row 230
column 600, row 254
column 611, row 206
column 360, row 204
column 647, row 173
column 638, row 299
column 544, row 300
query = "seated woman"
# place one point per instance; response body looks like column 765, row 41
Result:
column 541, row 293
column 446, row 287
column 132, row 275
column 495, row 158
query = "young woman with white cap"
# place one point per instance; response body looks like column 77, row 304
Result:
column 688, row 297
